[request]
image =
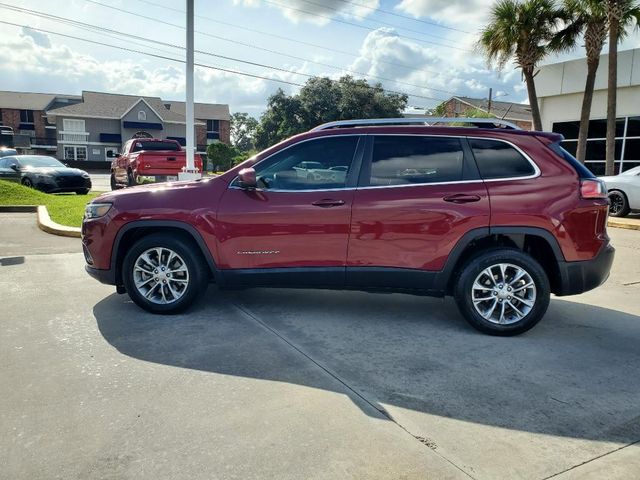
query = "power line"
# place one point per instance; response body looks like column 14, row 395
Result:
column 382, row 22
column 288, row 39
column 360, row 26
column 399, row 82
column 407, row 17
column 163, row 57
column 77, row 23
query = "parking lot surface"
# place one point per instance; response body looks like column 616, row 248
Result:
column 307, row 384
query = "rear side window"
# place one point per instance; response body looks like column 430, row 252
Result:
column 405, row 160
column 497, row 159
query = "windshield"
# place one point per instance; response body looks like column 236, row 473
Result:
column 35, row 161
column 632, row 171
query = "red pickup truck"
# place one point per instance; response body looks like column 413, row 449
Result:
column 144, row 159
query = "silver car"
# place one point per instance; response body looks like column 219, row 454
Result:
column 624, row 192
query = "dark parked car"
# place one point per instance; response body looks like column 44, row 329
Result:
column 44, row 173
column 498, row 218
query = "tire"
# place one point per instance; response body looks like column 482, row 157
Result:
column 26, row 181
column 131, row 179
column 114, row 184
column 84, row 191
column 188, row 286
column 510, row 314
column 618, row 204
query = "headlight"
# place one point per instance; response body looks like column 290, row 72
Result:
column 96, row 210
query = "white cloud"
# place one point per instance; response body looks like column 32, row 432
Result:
column 467, row 15
column 308, row 11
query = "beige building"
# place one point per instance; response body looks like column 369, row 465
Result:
column 560, row 88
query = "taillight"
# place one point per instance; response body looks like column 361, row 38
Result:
column 591, row 188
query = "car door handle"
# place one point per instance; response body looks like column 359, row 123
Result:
column 461, row 198
column 328, row 202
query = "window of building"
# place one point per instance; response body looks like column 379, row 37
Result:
column 315, row 164
column 73, row 125
column 26, row 116
column 627, row 150
column 75, row 153
column 142, row 116
column 405, row 160
column 213, row 126
column 497, row 159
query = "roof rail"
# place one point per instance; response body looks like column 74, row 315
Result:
column 427, row 121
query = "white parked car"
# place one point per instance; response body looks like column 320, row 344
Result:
column 624, row 192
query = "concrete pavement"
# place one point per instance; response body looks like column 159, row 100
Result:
column 307, row 384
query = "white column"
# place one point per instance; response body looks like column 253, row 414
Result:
column 190, row 172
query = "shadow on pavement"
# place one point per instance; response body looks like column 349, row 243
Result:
column 10, row 261
column 577, row 374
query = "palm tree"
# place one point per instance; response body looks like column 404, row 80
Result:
column 588, row 18
column 522, row 30
column 620, row 14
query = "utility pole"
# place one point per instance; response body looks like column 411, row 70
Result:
column 490, row 96
column 190, row 172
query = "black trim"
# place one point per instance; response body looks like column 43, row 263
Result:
column 582, row 276
column 154, row 224
column 539, row 232
column 303, row 277
column 394, row 279
column 445, row 274
column 107, row 277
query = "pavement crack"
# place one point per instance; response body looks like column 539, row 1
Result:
column 592, row 459
column 429, row 443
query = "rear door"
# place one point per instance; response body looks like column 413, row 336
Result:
column 296, row 223
column 417, row 196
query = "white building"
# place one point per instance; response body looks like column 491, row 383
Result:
column 560, row 88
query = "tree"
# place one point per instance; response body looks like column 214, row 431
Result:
column 588, row 19
column 324, row 100
column 522, row 31
column 221, row 156
column 620, row 14
column 243, row 131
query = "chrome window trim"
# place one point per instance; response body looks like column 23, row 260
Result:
column 536, row 169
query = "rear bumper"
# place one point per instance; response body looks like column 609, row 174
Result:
column 579, row 277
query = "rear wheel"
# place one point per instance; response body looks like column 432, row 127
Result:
column 618, row 204
column 114, row 183
column 164, row 274
column 502, row 292
column 131, row 179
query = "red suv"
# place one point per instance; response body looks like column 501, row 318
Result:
column 497, row 217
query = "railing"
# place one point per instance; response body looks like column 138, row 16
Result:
column 76, row 137
column 43, row 142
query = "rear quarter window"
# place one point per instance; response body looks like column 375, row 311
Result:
column 498, row 159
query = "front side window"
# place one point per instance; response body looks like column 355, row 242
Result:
column 406, row 160
column 322, row 163
column 497, row 159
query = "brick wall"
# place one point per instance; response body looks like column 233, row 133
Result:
column 201, row 134
column 225, row 131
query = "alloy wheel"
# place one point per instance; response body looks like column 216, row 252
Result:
column 160, row 275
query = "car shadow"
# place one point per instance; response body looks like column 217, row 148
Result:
column 11, row 261
column 576, row 374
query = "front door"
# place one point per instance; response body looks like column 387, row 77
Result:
column 297, row 220
column 417, row 196
column 6, row 172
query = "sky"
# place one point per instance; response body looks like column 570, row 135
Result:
column 425, row 48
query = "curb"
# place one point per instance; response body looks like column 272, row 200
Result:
column 624, row 224
column 46, row 224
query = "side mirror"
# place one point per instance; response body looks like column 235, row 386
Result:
column 247, row 179
column 111, row 154
column 14, row 167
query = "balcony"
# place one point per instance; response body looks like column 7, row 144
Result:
column 73, row 137
column 42, row 142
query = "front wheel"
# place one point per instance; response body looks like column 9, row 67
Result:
column 26, row 181
column 502, row 292
column 83, row 191
column 618, row 204
column 164, row 274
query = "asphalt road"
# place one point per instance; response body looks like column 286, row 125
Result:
column 100, row 182
column 307, row 384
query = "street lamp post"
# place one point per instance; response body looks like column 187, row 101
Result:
column 190, row 172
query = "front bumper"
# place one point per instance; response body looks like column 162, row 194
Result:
column 579, row 277
column 107, row 277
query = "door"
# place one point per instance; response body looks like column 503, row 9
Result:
column 6, row 172
column 416, row 197
column 292, row 221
